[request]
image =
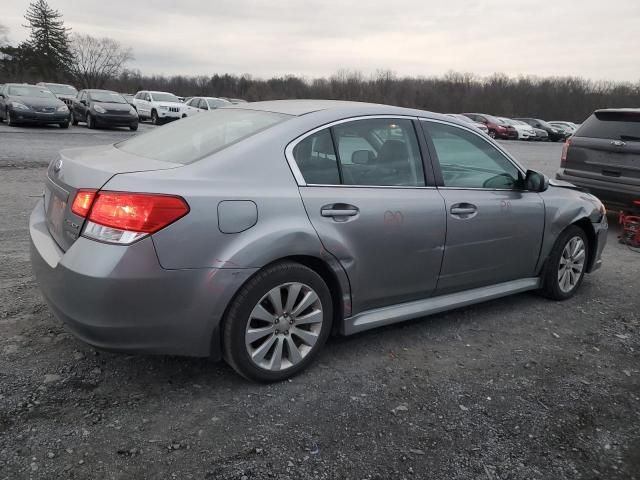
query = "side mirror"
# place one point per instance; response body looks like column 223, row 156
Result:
column 83, row 102
column 536, row 181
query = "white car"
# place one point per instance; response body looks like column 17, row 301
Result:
column 202, row 104
column 159, row 107
column 525, row 132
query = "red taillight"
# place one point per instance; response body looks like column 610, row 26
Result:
column 136, row 212
column 565, row 149
column 82, row 202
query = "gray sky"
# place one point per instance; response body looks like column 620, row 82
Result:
column 590, row 38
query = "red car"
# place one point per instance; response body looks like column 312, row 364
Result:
column 497, row 128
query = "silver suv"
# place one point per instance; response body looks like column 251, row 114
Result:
column 252, row 232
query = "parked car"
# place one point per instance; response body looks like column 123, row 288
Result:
column 525, row 132
column 202, row 104
column 541, row 135
column 480, row 126
column 572, row 126
column 64, row 92
column 496, row 128
column 159, row 107
column 554, row 134
column 21, row 103
column 103, row 108
column 602, row 157
column 564, row 130
column 235, row 250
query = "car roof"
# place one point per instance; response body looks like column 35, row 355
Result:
column 621, row 110
column 303, row 107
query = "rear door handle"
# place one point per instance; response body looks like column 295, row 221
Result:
column 339, row 210
column 463, row 210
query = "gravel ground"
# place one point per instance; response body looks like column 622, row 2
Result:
column 517, row 388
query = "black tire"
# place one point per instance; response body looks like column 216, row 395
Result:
column 133, row 127
column 10, row 121
column 74, row 120
column 236, row 319
column 64, row 124
column 492, row 133
column 154, row 118
column 550, row 279
column 91, row 124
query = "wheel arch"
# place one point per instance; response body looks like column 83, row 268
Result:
column 585, row 224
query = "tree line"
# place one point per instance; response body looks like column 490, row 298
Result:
column 52, row 53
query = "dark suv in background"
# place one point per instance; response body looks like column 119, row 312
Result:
column 603, row 157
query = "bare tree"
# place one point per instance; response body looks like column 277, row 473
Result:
column 97, row 60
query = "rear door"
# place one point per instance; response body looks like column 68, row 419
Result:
column 494, row 227
column 607, row 148
column 364, row 188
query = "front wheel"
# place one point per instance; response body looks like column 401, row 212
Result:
column 74, row 120
column 91, row 123
column 64, row 124
column 566, row 264
column 277, row 323
column 10, row 121
column 492, row 133
column 154, row 117
column 133, row 127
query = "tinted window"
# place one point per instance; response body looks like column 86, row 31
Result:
column 195, row 137
column 30, row 91
column 107, row 97
column 61, row 89
column 380, row 152
column 468, row 161
column 612, row 125
column 164, row 97
column 316, row 159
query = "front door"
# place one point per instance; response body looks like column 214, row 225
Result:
column 494, row 226
column 372, row 208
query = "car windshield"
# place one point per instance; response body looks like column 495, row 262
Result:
column 30, row 91
column 193, row 138
column 107, row 97
column 164, row 97
column 62, row 89
column 217, row 102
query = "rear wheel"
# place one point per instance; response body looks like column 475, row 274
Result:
column 565, row 268
column 133, row 127
column 277, row 323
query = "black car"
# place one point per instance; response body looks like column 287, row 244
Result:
column 64, row 92
column 555, row 135
column 22, row 103
column 603, row 157
column 101, row 108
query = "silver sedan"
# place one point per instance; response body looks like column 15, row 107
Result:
column 252, row 232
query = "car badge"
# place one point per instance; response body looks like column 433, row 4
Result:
column 58, row 166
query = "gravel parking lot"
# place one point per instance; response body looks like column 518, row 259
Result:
column 517, row 388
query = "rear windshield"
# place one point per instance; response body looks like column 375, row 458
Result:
column 193, row 138
column 613, row 125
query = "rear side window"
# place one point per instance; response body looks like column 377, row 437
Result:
column 612, row 125
column 317, row 160
column 193, row 138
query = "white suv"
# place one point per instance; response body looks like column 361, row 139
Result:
column 158, row 106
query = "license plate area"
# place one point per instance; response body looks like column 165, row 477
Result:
column 56, row 205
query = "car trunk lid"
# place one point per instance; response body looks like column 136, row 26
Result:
column 85, row 169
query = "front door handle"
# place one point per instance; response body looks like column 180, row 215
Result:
column 463, row 210
column 339, row 210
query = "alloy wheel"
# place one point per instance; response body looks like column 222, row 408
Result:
column 571, row 264
column 284, row 326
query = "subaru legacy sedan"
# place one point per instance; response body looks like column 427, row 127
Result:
column 253, row 232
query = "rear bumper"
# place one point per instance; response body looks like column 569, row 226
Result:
column 615, row 196
column 120, row 298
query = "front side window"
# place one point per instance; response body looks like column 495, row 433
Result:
column 468, row 161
